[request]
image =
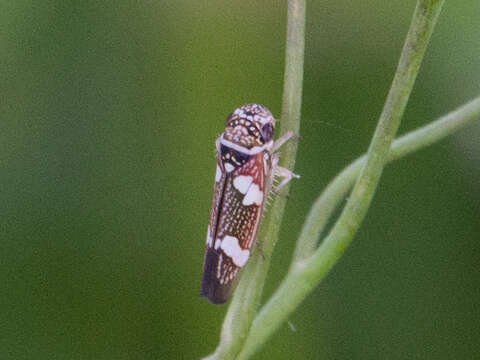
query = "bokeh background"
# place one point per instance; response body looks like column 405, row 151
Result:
column 108, row 115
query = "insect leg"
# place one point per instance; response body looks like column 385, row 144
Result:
column 283, row 139
column 287, row 176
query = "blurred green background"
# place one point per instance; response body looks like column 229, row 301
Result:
column 109, row 112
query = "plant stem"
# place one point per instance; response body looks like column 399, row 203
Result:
column 407, row 144
column 248, row 293
column 305, row 275
column 338, row 188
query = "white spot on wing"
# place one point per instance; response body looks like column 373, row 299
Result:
column 242, row 183
column 218, row 242
column 219, row 266
column 232, row 248
column 253, row 196
column 218, row 174
column 209, row 237
column 229, row 167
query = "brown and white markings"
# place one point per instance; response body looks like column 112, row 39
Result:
column 246, row 166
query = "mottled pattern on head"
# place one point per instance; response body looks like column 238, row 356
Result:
column 249, row 126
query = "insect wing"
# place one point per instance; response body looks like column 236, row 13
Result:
column 237, row 208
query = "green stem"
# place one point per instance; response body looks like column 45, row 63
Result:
column 248, row 293
column 338, row 188
column 304, row 275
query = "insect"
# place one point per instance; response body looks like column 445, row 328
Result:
column 246, row 166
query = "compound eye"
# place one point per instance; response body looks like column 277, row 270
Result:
column 267, row 131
